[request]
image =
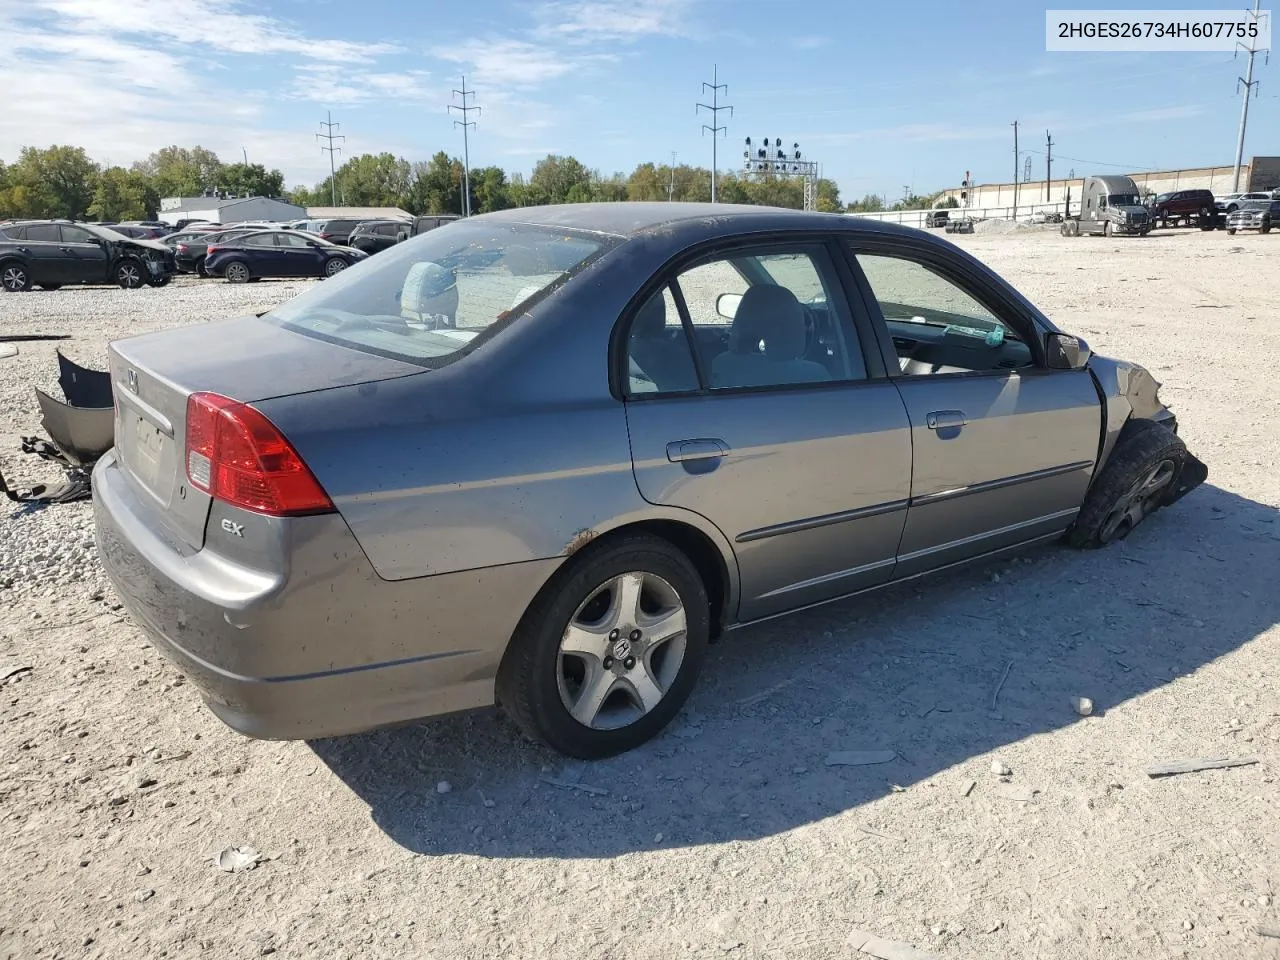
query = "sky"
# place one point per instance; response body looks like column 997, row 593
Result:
column 886, row 96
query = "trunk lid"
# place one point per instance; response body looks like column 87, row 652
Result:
column 246, row 359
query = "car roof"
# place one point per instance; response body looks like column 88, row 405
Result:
column 632, row 219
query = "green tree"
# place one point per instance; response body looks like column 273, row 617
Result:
column 489, row 185
column 57, row 182
column 250, row 180
column 123, row 195
column 369, row 180
column 181, row 171
column 647, row 183
column 436, row 185
column 555, row 176
column 828, row 196
column 870, row 203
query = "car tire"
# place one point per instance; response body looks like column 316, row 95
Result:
column 128, row 274
column 334, row 266
column 14, row 277
column 50, row 286
column 159, row 281
column 199, row 267
column 1106, row 229
column 1231, row 231
column 237, row 271
column 1265, row 228
column 1144, row 469
column 580, row 700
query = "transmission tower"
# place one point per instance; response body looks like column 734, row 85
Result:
column 466, row 121
column 715, row 129
column 330, row 137
column 1250, row 85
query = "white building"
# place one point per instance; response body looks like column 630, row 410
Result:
column 228, row 209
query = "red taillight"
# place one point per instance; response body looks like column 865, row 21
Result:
column 210, row 251
column 237, row 455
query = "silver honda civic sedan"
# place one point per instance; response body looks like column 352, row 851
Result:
column 542, row 457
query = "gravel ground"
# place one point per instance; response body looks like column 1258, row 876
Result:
column 728, row 836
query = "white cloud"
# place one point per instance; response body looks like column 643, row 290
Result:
column 586, row 21
column 505, row 62
column 224, row 25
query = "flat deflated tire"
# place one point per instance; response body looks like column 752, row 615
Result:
column 1144, row 469
column 609, row 651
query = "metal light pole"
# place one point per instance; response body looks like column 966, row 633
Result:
column 330, row 136
column 714, row 107
column 464, row 123
column 1249, row 83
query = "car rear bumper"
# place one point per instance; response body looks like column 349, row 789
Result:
column 326, row 648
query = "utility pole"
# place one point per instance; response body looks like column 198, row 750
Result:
column 464, row 123
column 1249, row 85
column 906, row 194
column 715, row 86
column 330, row 136
column 1048, row 164
column 671, row 187
column 1015, row 170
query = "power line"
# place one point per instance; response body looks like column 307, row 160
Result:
column 1249, row 84
column 464, row 123
column 715, row 107
column 330, row 136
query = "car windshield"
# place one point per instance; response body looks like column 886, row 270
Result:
column 426, row 299
column 1123, row 200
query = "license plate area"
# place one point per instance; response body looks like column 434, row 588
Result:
column 148, row 453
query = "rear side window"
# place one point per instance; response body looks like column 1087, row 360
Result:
column 426, row 300
column 386, row 229
column 44, row 231
column 658, row 355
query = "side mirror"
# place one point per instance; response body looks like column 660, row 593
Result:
column 727, row 305
column 1065, row 352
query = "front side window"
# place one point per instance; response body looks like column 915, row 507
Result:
column 76, row 235
column 426, row 299
column 937, row 326
column 770, row 318
column 289, row 240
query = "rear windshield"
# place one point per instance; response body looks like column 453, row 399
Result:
column 429, row 299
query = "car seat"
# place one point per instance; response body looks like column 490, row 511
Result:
column 430, row 295
column 771, row 316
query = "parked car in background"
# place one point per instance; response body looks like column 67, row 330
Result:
column 277, row 253
column 1260, row 215
column 373, row 236
column 1183, row 207
column 431, row 222
column 51, row 253
column 937, row 218
column 159, row 224
column 335, row 231
column 639, row 426
column 1232, row 201
column 190, row 253
column 140, row 232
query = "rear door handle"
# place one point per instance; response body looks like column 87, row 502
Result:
column 708, row 449
column 945, row 419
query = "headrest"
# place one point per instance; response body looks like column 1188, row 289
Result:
column 774, row 315
column 651, row 319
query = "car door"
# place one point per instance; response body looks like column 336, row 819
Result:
column 49, row 261
column 775, row 427
column 1003, row 447
column 87, row 255
column 296, row 256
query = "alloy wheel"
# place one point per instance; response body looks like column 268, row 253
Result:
column 129, row 276
column 1142, row 499
column 334, row 266
column 622, row 651
column 237, row 272
column 14, row 279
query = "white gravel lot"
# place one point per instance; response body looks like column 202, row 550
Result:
column 728, row 836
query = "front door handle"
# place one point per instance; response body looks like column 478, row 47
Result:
column 705, row 449
column 945, row 420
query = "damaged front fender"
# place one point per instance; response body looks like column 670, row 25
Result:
column 1128, row 391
